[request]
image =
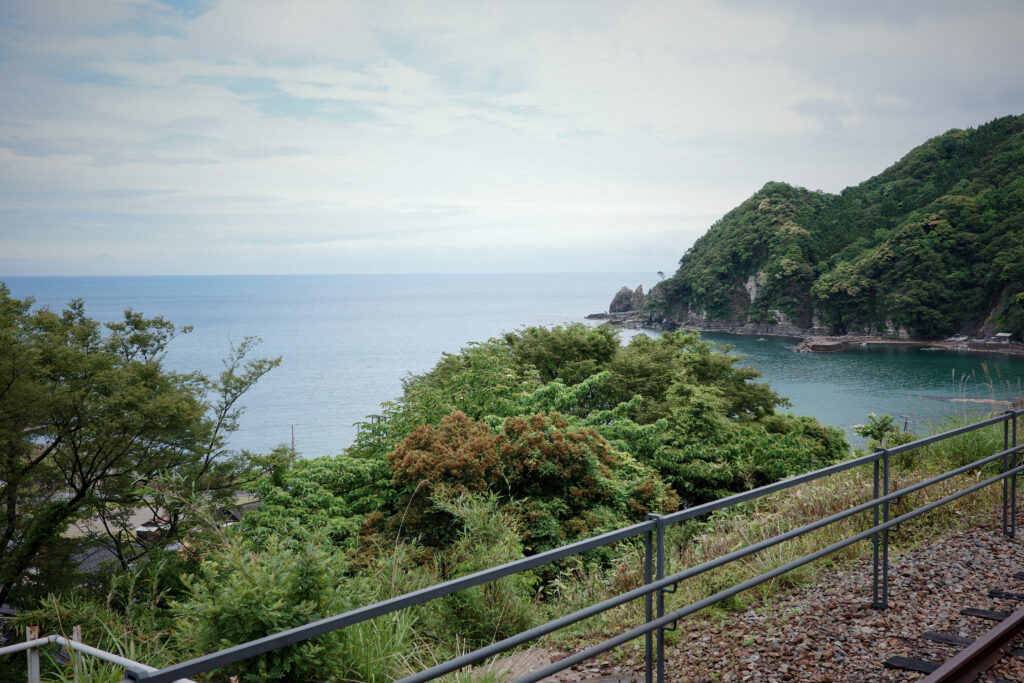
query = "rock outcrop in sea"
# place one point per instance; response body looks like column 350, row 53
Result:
column 627, row 300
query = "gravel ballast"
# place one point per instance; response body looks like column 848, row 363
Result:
column 827, row 631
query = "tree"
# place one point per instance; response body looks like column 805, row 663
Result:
column 566, row 481
column 93, row 426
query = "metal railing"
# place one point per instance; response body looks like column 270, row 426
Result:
column 33, row 644
column 656, row 584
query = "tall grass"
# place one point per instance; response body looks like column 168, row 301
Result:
column 695, row 542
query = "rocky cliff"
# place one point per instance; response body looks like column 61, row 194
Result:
column 627, row 300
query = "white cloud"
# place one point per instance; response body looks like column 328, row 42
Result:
column 355, row 136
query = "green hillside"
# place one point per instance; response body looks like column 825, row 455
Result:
column 934, row 244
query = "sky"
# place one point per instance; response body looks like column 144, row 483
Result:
column 316, row 136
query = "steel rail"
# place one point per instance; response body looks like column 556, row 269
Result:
column 83, row 648
column 27, row 645
column 107, row 656
column 729, row 501
column 328, row 624
column 942, row 436
column 333, row 623
column 981, row 655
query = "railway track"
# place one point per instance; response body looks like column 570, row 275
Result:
column 978, row 655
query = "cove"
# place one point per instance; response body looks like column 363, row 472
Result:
column 919, row 387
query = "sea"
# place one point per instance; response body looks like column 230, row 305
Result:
column 348, row 341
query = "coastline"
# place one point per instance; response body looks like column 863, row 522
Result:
column 814, row 340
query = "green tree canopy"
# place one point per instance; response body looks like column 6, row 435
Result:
column 93, row 426
column 931, row 244
column 574, row 431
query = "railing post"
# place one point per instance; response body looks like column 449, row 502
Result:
column 661, row 597
column 648, row 606
column 885, row 532
column 32, row 633
column 1013, row 477
column 875, row 546
column 658, row 547
column 880, row 540
column 76, row 636
column 1006, row 482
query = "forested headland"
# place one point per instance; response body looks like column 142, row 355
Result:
column 932, row 246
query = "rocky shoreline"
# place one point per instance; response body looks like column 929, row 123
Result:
column 814, row 340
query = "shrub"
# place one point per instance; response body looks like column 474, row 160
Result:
column 240, row 595
column 564, row 481
column 494, row 610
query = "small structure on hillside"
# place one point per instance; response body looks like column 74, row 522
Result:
column 1002, row 337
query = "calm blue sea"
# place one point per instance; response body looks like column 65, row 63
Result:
column 348, row 340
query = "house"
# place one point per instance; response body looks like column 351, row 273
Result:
column 1002, row 337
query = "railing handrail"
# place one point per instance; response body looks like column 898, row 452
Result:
column 756, row 581
column 27, row 645
column 75, row 646
column 326, row 625
column 691, row 572
column 655, row 523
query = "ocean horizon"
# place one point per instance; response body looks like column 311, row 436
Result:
column 346, row 341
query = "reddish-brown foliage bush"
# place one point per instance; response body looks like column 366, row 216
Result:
column 543, row 459
column 564, row 482
column 459, row 455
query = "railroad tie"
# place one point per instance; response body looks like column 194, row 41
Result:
column 952, row 639
column 1006, row 595
column 947, row 638
column 978, row 653
column 989, row 614
column 911, row 664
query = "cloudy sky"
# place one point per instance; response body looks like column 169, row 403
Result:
column 326, row 136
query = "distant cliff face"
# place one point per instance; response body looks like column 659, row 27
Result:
column 932, row 246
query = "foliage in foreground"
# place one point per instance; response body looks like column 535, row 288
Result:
column 572, row 431
column 512, row 446
column 414, row 639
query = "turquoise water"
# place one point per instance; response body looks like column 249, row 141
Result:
column 920, row 387
column 348, row 340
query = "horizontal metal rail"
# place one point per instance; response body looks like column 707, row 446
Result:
column 751, row 583
column 323, row 626
column 942, row 436
column 75, row 646
column 107, row 656
column 328, row 624
column 729, row 501
column 569, row 619
column 27, row 645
